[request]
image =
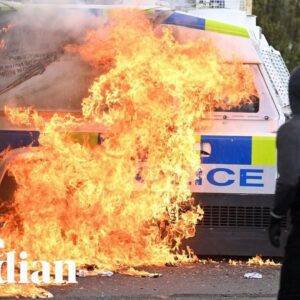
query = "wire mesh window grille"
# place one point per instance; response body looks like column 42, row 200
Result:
column 234, row 4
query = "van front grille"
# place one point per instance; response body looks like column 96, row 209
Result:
column 237, row 216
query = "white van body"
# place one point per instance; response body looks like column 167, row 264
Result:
column 237, row 154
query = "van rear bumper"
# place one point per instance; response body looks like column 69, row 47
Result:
column 235, row 224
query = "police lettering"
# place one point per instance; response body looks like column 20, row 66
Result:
column 245, row 178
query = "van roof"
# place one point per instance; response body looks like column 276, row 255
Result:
column 233, row 42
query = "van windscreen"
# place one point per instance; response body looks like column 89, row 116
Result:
column 246, row 105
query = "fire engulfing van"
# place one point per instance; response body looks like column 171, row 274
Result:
column 235, row 182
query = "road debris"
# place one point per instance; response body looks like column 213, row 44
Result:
column 138, row 273
column 44, row 295
column 106, row 273
column 86, row 273
column 253, row 275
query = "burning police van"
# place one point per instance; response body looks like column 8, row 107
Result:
column 236, row 181
column 236, row 178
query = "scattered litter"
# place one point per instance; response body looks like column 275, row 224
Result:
column 138, row 273
column 106, row 273
column 43, row 295
column 81, row 273
column 253, row 275
column 86, row 273
column 152, row 275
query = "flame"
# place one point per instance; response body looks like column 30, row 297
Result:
column 258, row 261
column 24, row 290
column 125, row 203
column 254, row 261
column 23, row 116
column 139, row 273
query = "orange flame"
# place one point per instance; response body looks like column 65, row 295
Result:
column 124, row 203
column 254, row 261
column 23, row 290
column 258, row 261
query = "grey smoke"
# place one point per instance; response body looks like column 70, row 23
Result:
column 34, row 68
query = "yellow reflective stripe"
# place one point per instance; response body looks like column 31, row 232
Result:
column 197, row 138
column 89, row 138
column 264, row 150
column 219, row 27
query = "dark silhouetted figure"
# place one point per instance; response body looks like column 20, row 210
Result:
column 287, row 196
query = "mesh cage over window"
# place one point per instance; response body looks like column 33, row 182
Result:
column 278, row 73
column 233, row 4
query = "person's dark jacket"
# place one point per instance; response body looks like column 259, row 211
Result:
column 288, row 164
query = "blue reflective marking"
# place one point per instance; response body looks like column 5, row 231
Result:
column 211, row 177
column 230, row 150
column 185, row 20
column 244, row 176
column 17, row 139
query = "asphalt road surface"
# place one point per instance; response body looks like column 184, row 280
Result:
column 210, row 281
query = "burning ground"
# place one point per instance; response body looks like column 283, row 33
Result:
column 124, row 203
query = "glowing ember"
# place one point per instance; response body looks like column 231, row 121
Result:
column 138, row 273
column 124, row 203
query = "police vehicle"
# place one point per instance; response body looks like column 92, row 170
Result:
column 236, row 180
